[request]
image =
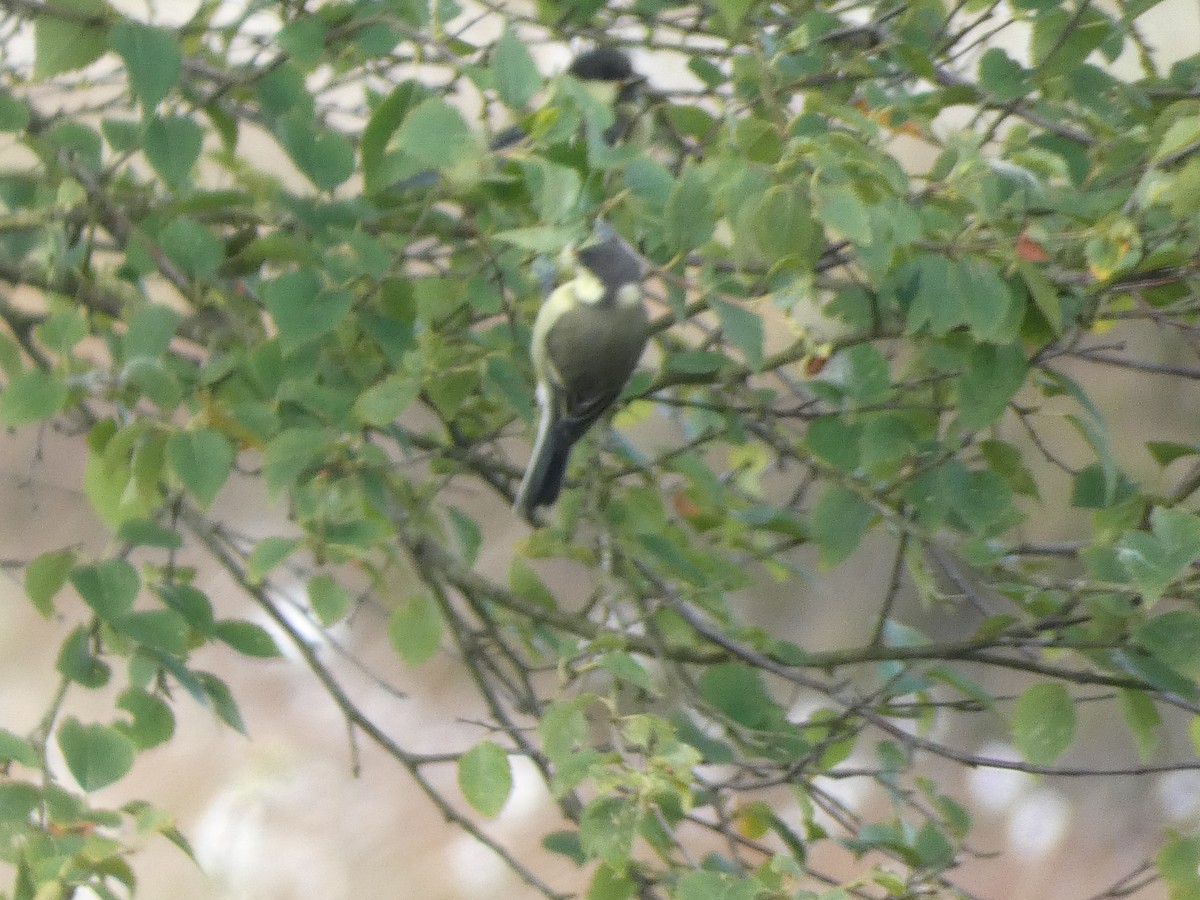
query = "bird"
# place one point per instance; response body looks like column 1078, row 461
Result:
column 587, row 339
column 606, row 73
column 609, row 76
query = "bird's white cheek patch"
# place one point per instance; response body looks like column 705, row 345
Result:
column 588, row 288
column 629, row 295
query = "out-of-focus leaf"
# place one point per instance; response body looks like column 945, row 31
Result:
column 1043, row 723
column 513, row 70
column 63, row 44
column 485, row 778
column 152, row 59
column 96, row 755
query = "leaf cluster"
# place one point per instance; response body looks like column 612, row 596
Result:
column 301, row 263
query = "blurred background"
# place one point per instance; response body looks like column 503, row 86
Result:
column 298, row 809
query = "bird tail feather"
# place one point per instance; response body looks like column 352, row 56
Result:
column 547, row 465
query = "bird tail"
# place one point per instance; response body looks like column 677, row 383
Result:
column 547, row 465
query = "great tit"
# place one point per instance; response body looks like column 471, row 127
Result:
column 606, row 73
column 609, row 77
column 587, row 339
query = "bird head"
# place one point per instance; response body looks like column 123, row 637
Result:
column 608, row 74
column 608, row 268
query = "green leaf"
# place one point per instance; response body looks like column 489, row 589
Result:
column 62, row 44
column 63, row 329
column 1143, row 721
column 982, row 499
column 74, row 136
column 627, row 669
column 303, row 39
column 415, row 629
column 435, row 134
column 565, row 843
column 14, row 748
column 289, row 454
column 192, row 246
column 1149, row 669
column 538, row 238
column 14, row 114
column 18, row 801
column 716, row 886
column 467, row 533
column 696, row 362
column 838, row 207
column 688, row 216
column 31, row 397
column 888, row 441
column 223, row 704
column 740, row 693
column 324, row 156
column 1044, row 293
column 247, row 638
column 152, row 59
column 1061, row 41
column 838, row 522
column 1092, row 426
column 485, row 778
column 742, row 328
column 734, row 13
column 301, row 310
column 123, row 136
column 158, row 629
column 1174, row 638
column 1001, row 76
column 379, row 405
column 96, row 755
column 989, row 302
column 124, row 471
column 1178, row 863
column 282, row 91
column 555, row 189
column 1043, row 723
column 1166, row 452
column 150, row 331
column 328, row 599
column 1155, row 560
column 190, row 603
column 45, row 577
column 381, row 168
column 933, row 849
column 783, row 228
column 1183, row 133
column 608, row 827
column 832, row 439
column 513, row 70
column 865, row 374
column 266, row 555
column 992, row 377
column 563, row 729
column 77, row 663
column 928, row 286
column 607, row 883
column 108, row 587
column 202, row 460
column 674, row 557
column 172, row 147
column 153, row 722
column 524, row 582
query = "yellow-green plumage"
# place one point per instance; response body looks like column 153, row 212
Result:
column 587, row 339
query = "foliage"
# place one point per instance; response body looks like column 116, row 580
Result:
column 353, row 336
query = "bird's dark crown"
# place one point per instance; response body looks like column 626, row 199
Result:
column 602, row 64
column 612, row 261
